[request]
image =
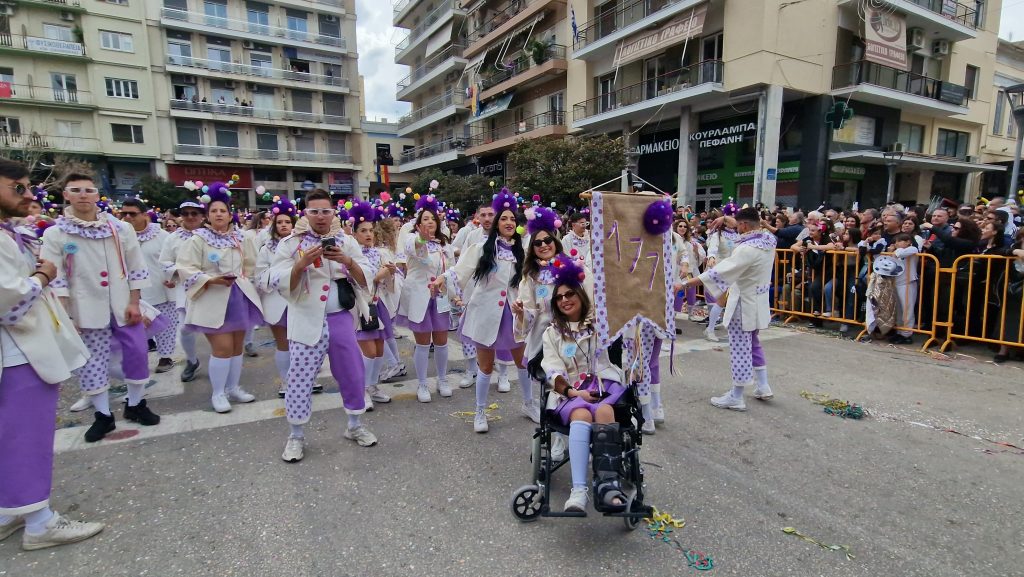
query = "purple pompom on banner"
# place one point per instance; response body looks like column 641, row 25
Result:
column 541, row 218
column 567, row 272
column 504, row 200
column 428, row 202
column 362, row 212
column 658, row 217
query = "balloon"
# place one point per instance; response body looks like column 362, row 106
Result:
column 416, row 196
column 408, row 190
column 277, row 198
column 189, row 185
column 261, row 189
column 348, row 205
column 206, row 188
column 520, row 229
column 558, row 223
column 275, row 210
column 199, row 184
column 552, row 205
column 491, row 184
column 266, row 196
column 434, row 184
column 401, row 196
column 385, row 196
column 205, row 198
column 235, row 177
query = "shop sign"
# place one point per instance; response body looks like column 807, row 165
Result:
column 492, row 166
column 885, row 38
column 666, row 145
column 179, row 173
column 340, row 183
column 847, row 172
column 859, row 130
column 722, row 136
column 686, row 25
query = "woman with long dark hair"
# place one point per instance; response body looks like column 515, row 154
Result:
column 275, row 307
column 492, row 270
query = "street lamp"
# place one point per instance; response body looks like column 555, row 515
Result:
column 892, row 160
column 1017, row 110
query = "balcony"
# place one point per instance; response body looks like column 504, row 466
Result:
column 199, row 22
column 433, row 154
column 35, row 44
column 947, row 19
column 401, row 9
column 62, row 5
column 245, row 72
column 446, row 62
column 514, row 14
column 870, row 82
column 524, row 72
column 431, row 23
column 599, row 37
column 47, row 143
column 232, row 154
column 49, row 97
column 700, row 83
column 249, row 114
column 337, row 7
column 503, row 137
column 444, row 106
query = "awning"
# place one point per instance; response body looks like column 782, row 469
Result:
column 493, row 106
column 679, row 29
column 438, row 40
column 918, row 161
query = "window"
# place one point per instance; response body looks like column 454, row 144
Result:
column 189, row 133
column 176, row 5
column 606, row 90
column 262, row 62
column 297, row 25
column 65, row 87
column 302, row 101
column 55, row 32
column 1011, row 124
column 227, row 135
column 7, row 75
column 259, row 18
column 220, row 58
column 179, row 53
column 9, row 125
column 1000, row 105
column 120, row 2
column 119, row 88
column 263, row 98
column 216, row 13
column 911, row 136
column 334, row 105
column 336, row 145
column 304, row 143
column 126, row 133
column 952, row 143
column 266, row 139
column 116, row 41
column 68, row 128
column 971, row 82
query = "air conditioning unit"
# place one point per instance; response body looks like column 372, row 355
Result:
column 188, row 79
column 915, row 39
column 940, row 48
column 896, row 147
column 229, row 84
column 330, row 18
column 296, row 132
column 248, row 44
column 6, row 10
column 67, row 16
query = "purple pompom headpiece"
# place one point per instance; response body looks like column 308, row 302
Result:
column 154, row 216
column 567, row 272
column 428, row 202
column 283, row 206
column 541, row 218
column 218, row 191
column 361, row 212
column 730, row 208
column 658, row 217
column 504, row 200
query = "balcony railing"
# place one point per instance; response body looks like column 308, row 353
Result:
column 257, row 71
column 520, row 128
column 521, row 64
column 258, row 29
column 434, row 149
column 453, row 51
column 865, row 72
column 400, row 5
column 512, row 7
column 955, row 11
column 44, row 142
column 681, row 79
column 259, row 113
column 69, row 5
column 260, row 154
column 613, row 21
column 44, row 45
column 428, row 21
column 28, row 92
column 453, row 97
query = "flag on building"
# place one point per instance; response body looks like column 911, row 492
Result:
column 575, row 28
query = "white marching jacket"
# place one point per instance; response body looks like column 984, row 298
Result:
column 152, row 241
column 169, row 260
column 747, row 276
column 487, row 298
column 207, row 255
column 98, row 263
column 423, row 263
column 274, row 305
column 571, row 355
column 536, row 295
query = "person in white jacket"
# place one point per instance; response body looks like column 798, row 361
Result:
column 275, row 307
column 217, row 264
column 746, row 278
column 100, row 276
column 317, row 270
column 192, row 214
column 577, row 238
column 720, row 244
column 39, row 349
column 475, row 234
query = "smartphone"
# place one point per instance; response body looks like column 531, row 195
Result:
column 326, row 243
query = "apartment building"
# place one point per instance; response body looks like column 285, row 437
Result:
column 383, row 147
column 257, row 89
column 728, row 99
column 74, row 80
column 484, row 74
column 1001, row 135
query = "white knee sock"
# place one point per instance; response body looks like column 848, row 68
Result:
column 483, row 382
column 736, row 392
column 353, row 421
column 219, row 370
column 579, row 452
column 714, row 316
column 135, row 394
column 391, row 351
column 248, row 335
column 502, row 370
column 297, row 431
column 656, row 395
column 420, row 360
column 282, row 359
column 526, row 384
column 378, row 365
column 35, row 522
column 235, row 375
column 471, row 366
column 101, row 403
column 648, row 413
column 441, row 362
column 188, row 344
column 368, row 371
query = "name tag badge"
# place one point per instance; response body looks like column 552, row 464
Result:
column 543, row 291
column 569, row 351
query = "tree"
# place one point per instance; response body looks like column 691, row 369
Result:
column 159, row 192
column 559, row 170
column 465, row 193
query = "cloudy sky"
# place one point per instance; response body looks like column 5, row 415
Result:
column 377, row 39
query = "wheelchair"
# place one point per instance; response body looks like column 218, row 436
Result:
column 533, row 501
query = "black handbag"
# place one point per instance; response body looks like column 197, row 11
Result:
column 371, row 324
column 346, row 294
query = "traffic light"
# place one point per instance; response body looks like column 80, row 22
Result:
column 839, row 114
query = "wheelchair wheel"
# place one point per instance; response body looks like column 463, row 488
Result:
column 631, row 522
column 526, row 503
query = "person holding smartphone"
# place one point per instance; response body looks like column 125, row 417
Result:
column 217, row 264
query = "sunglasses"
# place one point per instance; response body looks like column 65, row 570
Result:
column 957, row 227
column 81, row 190
column 319, row 211
column 191, row 213
column 130, row 214
column 18, row 188
column 568, row 294
column 543, row 241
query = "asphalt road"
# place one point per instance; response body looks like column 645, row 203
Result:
column 210, row 495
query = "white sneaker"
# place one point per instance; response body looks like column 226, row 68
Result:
column 423, row 394
column 362, row 436
column 658, row 414
column 531, row 411
column 367, row 401
column 399, row 371
column 81, row 404
column 577, row 501
column 503, row 385
column 480, row 421
column 60, row 531
column 763, row 393
column 558, row 447
column 648, row 428
column 467, row 380
column 239, row 395
column 293, row 450
column 221, row 404
column 710, row 335
column 727, row 401
column 444, row 389
column 11, row 528
column 377, row 395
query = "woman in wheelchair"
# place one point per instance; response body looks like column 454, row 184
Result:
column 589, row 384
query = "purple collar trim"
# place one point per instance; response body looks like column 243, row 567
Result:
column 231, row 239
column 183, row 234
column 95, row 231
column 758, row 239
column 150, row 233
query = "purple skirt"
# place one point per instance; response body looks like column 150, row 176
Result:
column 386, row 330
column 241, row 315
column 433, row 321
column 506, row 340
column 566, row 406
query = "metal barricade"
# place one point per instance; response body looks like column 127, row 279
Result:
column 985, row 301
column 910, row 319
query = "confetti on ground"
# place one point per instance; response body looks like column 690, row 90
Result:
column 660, row 527
column 836, row 407
column 468, row 415
column 795, row 533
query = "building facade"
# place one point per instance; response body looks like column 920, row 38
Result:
column 264, row 90
column 1001, row 134
column 74, row 81
column 381, row 149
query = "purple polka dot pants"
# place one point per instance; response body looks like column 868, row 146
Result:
column 338, row 343
column 745, row 351
column 131, row 339
column 165, row 340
